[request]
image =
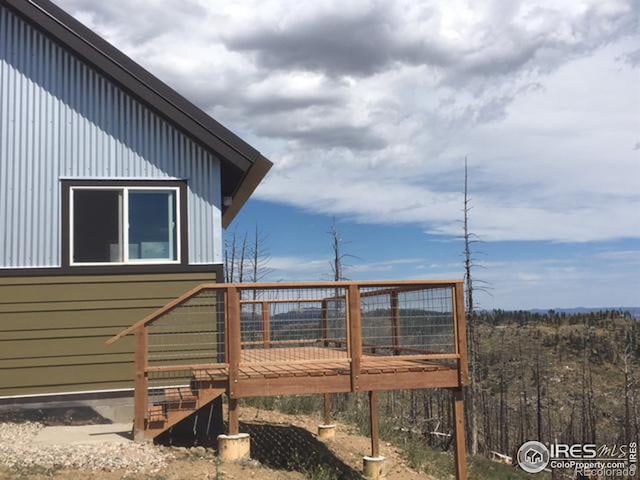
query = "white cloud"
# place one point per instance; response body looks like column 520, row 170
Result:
column 626, row 256
column 367, row 108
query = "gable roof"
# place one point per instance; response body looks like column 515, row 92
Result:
column 243, row 167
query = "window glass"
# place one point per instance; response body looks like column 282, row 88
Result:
column 97, row 226
column 152, row 225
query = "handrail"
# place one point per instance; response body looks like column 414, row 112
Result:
column 273, row 285
column 161, row 311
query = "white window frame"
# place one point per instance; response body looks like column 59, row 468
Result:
column 125, row 225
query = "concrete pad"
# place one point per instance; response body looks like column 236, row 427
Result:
column 326, row 432
column 85, row 434
column 374, row 468
column 234, row 448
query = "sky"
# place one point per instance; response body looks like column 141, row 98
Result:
column 367, row 110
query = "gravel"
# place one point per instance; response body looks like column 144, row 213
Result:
column 19, row 451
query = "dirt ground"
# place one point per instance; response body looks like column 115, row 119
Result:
column 283, row 447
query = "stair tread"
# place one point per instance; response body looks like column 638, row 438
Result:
column 180, row 394
column 209, row 374
column 156, row 413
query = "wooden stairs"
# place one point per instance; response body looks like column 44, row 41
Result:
column 178, row 403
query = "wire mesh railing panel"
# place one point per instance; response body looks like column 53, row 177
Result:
column 293, row 325
column 192, row 333
column 162, row 386
column 407, row 321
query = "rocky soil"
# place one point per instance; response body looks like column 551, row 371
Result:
column 18, row 451
column 281, row 443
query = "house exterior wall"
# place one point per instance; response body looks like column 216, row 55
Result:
column 53, row 329
column 60, row 119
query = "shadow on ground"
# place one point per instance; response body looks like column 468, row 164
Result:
column 286, row 447
column 281, row 447
column 54, row 416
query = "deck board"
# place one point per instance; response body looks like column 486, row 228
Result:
column 314, row 361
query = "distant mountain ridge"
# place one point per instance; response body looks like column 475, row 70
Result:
column 634, row 311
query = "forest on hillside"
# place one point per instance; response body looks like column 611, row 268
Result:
column 548, row 377
column 557, row 378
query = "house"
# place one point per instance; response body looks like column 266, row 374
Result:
column 114, row 191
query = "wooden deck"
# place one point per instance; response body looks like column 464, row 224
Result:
column 314, row 371
column 302, row 362
column 300, row 339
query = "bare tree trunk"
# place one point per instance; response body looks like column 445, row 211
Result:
column 241, row 261
column 230, row 248
column 337, row 269
column 538, row 395
column 336, row 245
column 259, row 257
column 471, row 326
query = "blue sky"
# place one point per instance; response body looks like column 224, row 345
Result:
column 367, row 109
column 520, row 274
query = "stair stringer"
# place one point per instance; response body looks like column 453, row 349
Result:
column 204, row 398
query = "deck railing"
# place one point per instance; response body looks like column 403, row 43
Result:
column 230, row 331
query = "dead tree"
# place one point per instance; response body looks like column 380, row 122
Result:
column 242, row 259
column 471, row 323
column 230, row 248
column 248, row 261
column 538, row 383
column 628, row 385
column 337, row 271
column 259, row 256
column 337, row 266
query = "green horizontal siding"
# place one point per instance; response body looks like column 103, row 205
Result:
column 53, row 329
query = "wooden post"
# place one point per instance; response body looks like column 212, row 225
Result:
column 234, row 347
column 234, row 422
column 460, row 448
column 266, row 325
column 373, row 422
column 327, row 409
column 325, row 323
column 355, row 329
column 221, row 327
column 141, row 383
column 461, row 334
column 395, row 322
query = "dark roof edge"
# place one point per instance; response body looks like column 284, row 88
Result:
column 142, row 84
column 249, row 183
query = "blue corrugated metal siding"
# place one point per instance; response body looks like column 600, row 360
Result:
column 61, row 119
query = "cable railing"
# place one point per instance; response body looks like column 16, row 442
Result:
column 229, row 335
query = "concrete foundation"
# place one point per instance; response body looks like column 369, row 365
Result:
column 373, row 468
column 326, row 432
column 234, row 448
column 116, row 407
column 111, row 433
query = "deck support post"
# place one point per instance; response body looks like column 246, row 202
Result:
column 460, row 447
column 374, row 424
column 326, row 431
column 326, row 404
column 373, row 465
column 325, row 323
column 460, row 319
column 355, row 335
column 235, row 446
column 234, row 345
column 266, row 324
column 234, row 422
column 141, row 384
column 395, row 321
